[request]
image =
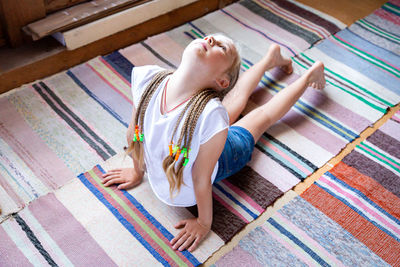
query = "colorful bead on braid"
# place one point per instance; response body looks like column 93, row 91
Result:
column 138, row 136
column 177, row 151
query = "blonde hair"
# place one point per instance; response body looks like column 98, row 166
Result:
column 173, row 165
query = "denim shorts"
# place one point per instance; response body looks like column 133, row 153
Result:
column 237, row 152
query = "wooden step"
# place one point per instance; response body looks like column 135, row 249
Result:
column 38, row 60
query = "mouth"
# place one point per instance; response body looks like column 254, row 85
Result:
column 204, row 46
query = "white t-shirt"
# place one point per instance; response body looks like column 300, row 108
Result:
column 158, row 130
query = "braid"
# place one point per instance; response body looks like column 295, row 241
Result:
column 197, row 105
column 191, row 113
column 137, row 147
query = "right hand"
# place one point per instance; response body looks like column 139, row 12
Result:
column 126, row 178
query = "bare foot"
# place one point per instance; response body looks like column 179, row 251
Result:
column 274, row 53
column 315, row 75
column 126, row 178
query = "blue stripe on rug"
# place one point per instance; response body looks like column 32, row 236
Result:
column 95, row 98
column 121, row 219
column 297, row 242
column 359, row 212
column 154, row 221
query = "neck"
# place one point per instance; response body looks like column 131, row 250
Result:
column 184, row 83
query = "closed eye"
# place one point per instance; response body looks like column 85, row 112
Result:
column 222, row 46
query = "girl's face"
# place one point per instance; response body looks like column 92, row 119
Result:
column 213, row 55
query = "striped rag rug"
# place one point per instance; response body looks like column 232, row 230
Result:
column 349, row 217
column 78, row 118
column 56, row 128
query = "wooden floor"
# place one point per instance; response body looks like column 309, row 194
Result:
column 347, row 11
column 46, row 57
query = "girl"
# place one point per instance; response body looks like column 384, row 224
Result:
column 180, row 131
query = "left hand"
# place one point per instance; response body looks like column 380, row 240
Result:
column 191, row 235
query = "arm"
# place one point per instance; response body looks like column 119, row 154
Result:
column 195, row 229
column 126, row 177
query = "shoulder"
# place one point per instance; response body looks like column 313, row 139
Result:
column 215, row 108
column 213, row 119
column 143, row 74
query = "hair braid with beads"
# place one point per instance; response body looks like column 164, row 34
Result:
column 193, row 109
column 191, row 113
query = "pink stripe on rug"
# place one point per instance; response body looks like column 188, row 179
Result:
column 288, row 246
column 360, row 204
column 115, row 72
column 319, row 99
column 294, row 42
column 380, row 156
column 295, row 19
column 243, row 195
column 67, row 232
column 110, row 84
column 238, row 257
column 387, row 16
column 304, row 236
column 317, row 134
column 283, row 155
column 364, row 51
column 272, row 171
column 10, row 255
column 166, row 47
column 43, row 162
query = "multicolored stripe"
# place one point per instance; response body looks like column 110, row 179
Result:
column 339, row 81
column 364, row 23
column 286, row 157
column 392, row 8
column 137, row 220
column 380, row 63
column 379, row 156
column 361, row 204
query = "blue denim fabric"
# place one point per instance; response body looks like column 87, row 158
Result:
column 237, row 152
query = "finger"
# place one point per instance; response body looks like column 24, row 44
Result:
column 105, row 180
column 126, row 185
column 114, row 181
column 195, row 244
column 187, row 243
column 112, row 172
column 181, row 241
column 180, row 224
column 176, row 238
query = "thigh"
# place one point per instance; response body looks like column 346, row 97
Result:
column 237, row 152
column 256, row 122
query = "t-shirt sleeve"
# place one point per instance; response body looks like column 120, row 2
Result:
column 213, row 121
column 140, row 78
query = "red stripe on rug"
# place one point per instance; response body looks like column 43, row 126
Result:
column 369, row 187
column 129, row 219
column 379, row 242
column 115, row 72
column 388, row 16
column 110, row 84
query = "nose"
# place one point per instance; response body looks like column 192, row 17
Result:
column 210, row 40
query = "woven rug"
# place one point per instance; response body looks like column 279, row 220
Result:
column 350, row 216
column 56, row 128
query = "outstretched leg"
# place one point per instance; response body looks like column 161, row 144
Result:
column 261, row 118
column 235, row 101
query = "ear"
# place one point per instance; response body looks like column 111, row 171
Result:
column 223, row 82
